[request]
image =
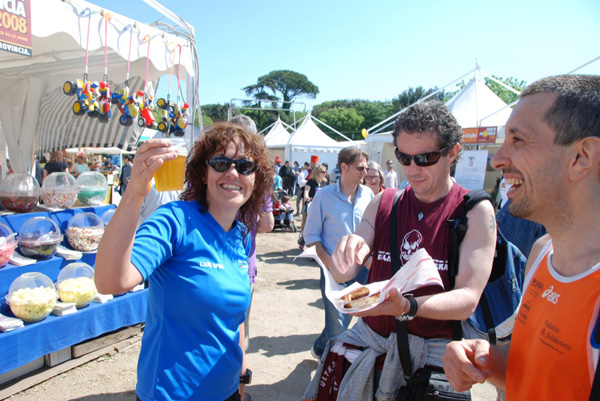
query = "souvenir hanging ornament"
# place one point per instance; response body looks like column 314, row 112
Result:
column 129, row 110
column 85, row 90
column 174, row 118
column 145, row 98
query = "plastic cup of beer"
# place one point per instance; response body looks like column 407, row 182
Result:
column 170, row 176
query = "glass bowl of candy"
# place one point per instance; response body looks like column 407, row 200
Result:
column 92, row 187
column 107, row 216
column 59, row 189
column 19, row 192
column 8, row 243
column 75, row 284
column 39, row 238
column 85, row 231
column 31, row 297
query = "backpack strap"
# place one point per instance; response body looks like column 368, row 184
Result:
column 458, row 230
column 595, row 393
column 401, row 327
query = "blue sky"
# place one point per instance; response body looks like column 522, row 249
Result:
column 375, row 50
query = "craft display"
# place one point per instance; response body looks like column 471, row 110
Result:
column 75, row 284
column 145, row 98
column 39, row 238
column 127, row 105
column 19, row 192
column 8, row 243
column 84, row 232
column 31, row 297
column 92, row 188
column 59, row 190
column 175, row 115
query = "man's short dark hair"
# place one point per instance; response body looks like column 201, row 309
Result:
column 349, row 155
column 576, row 112
column 430, row 116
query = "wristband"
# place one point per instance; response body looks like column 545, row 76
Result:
column 412, row 311
column 247, row 378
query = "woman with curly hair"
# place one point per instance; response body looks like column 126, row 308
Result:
column 194, row 255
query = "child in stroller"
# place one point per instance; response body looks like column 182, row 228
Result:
column 283, row 212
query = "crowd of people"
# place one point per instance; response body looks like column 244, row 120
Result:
column 198, row 251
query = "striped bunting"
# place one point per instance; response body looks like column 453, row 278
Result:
column 59, row 128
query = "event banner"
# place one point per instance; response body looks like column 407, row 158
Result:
column 15, row 26
column 480, row 135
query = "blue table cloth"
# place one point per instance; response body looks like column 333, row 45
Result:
column 26, row 344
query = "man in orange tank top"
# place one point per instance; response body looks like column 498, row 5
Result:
column 551, row 155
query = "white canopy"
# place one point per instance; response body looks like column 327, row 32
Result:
column 278, row 135
column 476, row 105
column 59, row 39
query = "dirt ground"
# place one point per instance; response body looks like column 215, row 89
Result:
column 287, row 315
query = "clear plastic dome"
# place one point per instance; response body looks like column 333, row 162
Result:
column 107, row 216
column 92, row 187
column 85, row 231
column 39, row 237
column 8, row 243
column 75, row 284
column 59, row 190
column 19, row 192
column 31, row 297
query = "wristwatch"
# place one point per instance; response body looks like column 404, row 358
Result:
column 412, row 312
column 247, row 378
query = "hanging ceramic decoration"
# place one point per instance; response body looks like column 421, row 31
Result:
column 175, row 115
column 104, row 98
column 145, row 99
column 126, row 104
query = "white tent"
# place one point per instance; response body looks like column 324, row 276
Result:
column 32, row 113
column 277, row 138
column 477, row 106
column 308, row 140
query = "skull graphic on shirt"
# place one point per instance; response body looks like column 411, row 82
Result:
column 410, row 245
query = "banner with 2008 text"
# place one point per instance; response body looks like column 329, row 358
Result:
column 15, row 26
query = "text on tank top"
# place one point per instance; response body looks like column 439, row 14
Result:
column 430, row 233
column 551, row 356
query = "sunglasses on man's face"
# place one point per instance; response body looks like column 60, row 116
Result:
column 421, row 160
column 221, row 164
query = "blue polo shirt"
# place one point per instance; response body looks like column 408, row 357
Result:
column 331, row 215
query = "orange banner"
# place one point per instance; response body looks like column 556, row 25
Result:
column 481, row 135
column 15, row 27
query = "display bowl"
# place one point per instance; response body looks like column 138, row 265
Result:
column 59, row 190
column 31, row 297
column 19, row 192
column 92, row 187
column 75, row 284
column 39, row 238
column 85, row 231
column 107, row 216
column 8, row 243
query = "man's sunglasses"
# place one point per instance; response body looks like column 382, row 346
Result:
column 421, row 160
column 221, row 164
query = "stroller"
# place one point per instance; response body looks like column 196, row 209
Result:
column 287, row 214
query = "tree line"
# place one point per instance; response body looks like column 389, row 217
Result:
column 273, row 96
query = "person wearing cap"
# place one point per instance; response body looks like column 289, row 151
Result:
column 277, row 163
column 391, row 178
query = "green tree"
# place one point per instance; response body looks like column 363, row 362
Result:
column 216, row 112
column 288, row 84
column 411, row 95
column 345, row 120
column 506, row 95
column 374, row 112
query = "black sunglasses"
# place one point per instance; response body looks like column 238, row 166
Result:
column 421, row 160
column 221, row 164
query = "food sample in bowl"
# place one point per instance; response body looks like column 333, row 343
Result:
column 39, row 238
column 84, row 239
column 59, row 189
column 7, row 244
column 39, row 250
column 92, row 187
column 31, row 297
column 80, row 291
column 20, row 204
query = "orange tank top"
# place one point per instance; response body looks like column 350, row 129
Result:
column 551, row 354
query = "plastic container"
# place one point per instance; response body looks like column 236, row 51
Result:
column 59, row 190
column 171, row 175
column 31, row 297
column 20, row 192
column 85, row 231
column 92, row 187
column 75, row 284
column 38, row 238
column 107, row 216
column 8, row 243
